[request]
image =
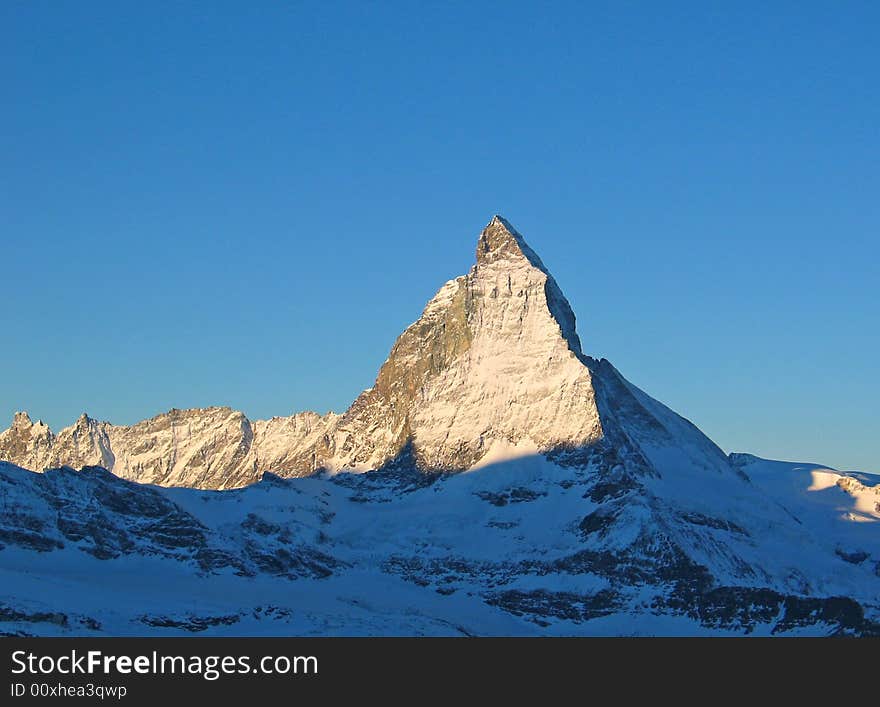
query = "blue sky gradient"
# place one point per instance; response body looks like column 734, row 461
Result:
column 223, row 203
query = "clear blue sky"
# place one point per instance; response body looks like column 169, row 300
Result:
column 244, row 203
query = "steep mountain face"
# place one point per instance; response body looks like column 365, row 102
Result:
column 491, row 366
column 586, row 506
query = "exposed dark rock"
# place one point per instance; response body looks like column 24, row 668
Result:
column 599, row 521
column 541, row 603
column 28, row 540
column 292, row 563
column 717, row 523
column 855, row 558
column 516, row 494
column 193, row 624
column 8, row 614
column 260, row 526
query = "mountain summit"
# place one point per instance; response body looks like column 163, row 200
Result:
column 500, row 240
column 490, row 367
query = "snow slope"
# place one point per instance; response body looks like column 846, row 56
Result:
column 523, row 547
column 841, row 507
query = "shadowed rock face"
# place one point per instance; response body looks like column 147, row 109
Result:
column 97, row 513
column 573, row 546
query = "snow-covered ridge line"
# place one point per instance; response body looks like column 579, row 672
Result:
column 214, row 447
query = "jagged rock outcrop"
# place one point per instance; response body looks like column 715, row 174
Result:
column 202, row 448
column 28, row 443
column 34, row 446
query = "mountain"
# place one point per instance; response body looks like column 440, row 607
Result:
column 493, row 366
column 202, row 448
column 492, row 369
column 515, row 485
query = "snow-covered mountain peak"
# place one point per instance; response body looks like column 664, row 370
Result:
column 23, row 427
column 84, row 420
column 501, row 240
column 492, row 364
column 504, row 255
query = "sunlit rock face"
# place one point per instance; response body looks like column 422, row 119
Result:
column 491, row 367
column 34, row 446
